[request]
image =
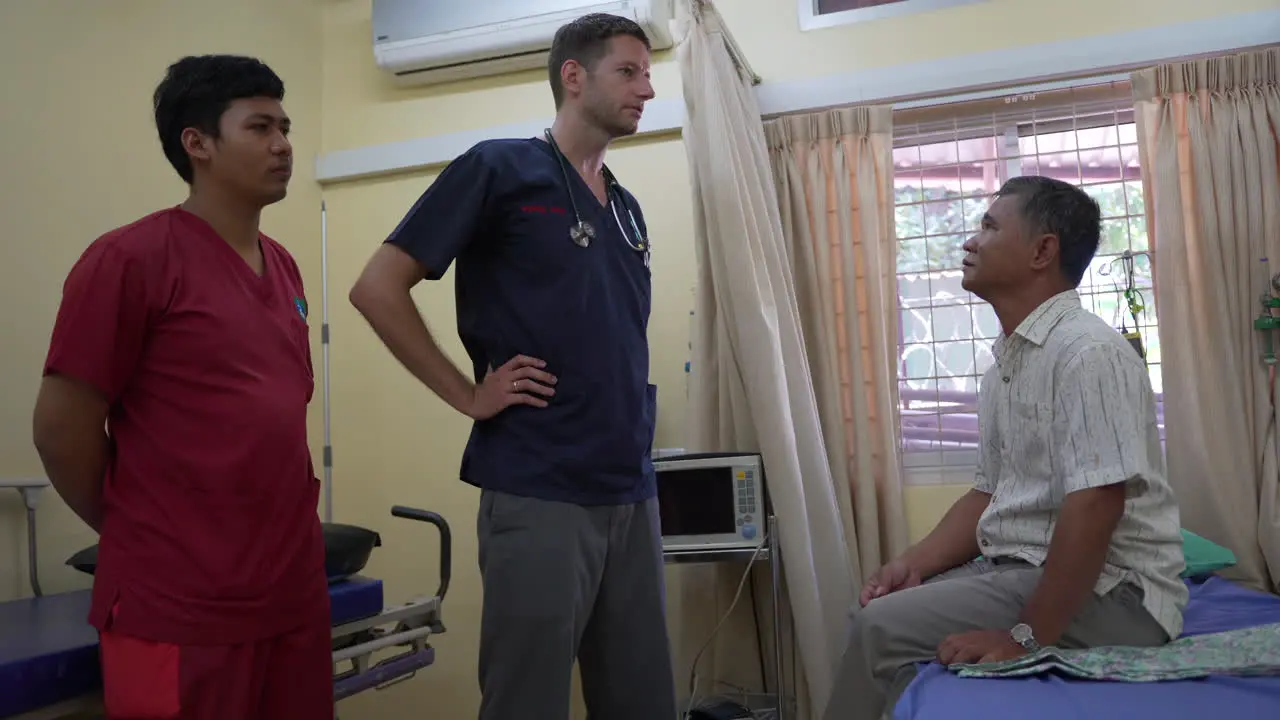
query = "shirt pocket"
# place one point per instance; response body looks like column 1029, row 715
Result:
column 1032, row 432
column 299, row 333
column 537, row 245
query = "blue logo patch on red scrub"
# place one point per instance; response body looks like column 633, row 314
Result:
column 301, row 305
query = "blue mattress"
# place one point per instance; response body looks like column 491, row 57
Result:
column 355, row 599
column 49, row 652
column 1216, row 605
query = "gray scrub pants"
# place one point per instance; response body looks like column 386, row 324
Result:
column 564, row 582
column 893, row 633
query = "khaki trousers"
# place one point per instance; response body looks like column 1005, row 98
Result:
column 893, row 633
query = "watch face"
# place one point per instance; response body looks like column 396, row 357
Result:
column 1021, row 633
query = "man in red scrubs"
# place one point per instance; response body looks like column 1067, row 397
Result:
column 184, row 335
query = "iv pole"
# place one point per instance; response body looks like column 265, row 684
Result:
column 324, row 349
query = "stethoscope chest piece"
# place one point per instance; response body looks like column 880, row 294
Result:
column 582, row 233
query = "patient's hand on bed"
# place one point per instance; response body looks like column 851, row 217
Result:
column 979, row 646
column 895, row 575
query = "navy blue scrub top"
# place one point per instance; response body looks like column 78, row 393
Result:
column 502, row 212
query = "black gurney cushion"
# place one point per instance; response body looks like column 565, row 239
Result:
column 347, row 549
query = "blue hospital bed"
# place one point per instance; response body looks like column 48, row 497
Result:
column 49, row 652
column 1216, row 605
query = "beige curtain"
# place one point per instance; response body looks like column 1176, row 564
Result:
column 834, row 176
column 750, row 386
column 1208, row 140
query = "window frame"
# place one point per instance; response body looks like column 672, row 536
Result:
column 926, row 467
column 811, row 19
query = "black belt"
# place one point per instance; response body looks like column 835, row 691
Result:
column 1008, row 560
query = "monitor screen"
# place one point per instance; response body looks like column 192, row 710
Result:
column 697, row 501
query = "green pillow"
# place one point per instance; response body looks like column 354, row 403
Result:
column 1204, row 556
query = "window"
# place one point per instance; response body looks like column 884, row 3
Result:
column 816, row 14
column 947, row 161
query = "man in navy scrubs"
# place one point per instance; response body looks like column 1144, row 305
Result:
column 553, row 295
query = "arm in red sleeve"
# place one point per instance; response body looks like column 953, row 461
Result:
column 101, row 328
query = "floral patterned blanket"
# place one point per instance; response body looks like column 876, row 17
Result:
column 1245, row 652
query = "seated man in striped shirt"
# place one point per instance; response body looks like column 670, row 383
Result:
column 1070, row 536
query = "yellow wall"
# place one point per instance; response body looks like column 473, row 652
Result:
column 80, row 156
column 778, row 51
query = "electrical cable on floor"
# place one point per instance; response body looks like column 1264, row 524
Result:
column 742, row 583
column 744, row 697
column 755, row 616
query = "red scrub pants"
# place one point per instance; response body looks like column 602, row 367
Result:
column 289, row 677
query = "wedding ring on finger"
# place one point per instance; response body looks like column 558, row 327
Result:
column 515, row 386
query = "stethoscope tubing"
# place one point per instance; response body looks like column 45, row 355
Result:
column 583, row 230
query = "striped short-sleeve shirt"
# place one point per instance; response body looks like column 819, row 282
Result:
column 1067, row 406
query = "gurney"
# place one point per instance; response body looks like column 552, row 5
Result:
column 49, row 665
column 363, row 626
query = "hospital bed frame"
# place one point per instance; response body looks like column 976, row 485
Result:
column 407, row 626
column 357, row 637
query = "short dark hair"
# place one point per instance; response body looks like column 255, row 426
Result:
column 197, row 90
column 1055, row 207
column 586, row 41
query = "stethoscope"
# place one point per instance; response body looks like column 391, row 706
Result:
column 582, row 232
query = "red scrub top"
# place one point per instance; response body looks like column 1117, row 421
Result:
column 209, row 526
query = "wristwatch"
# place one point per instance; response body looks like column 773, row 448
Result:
column 1021, row 634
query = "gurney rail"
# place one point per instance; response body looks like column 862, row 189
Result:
column 385, row 673
column 446, row 540
column 382, row 642
column 412, row 624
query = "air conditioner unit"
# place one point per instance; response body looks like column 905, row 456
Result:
column 423, row 42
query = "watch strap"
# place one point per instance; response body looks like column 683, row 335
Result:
column 1023, row 636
